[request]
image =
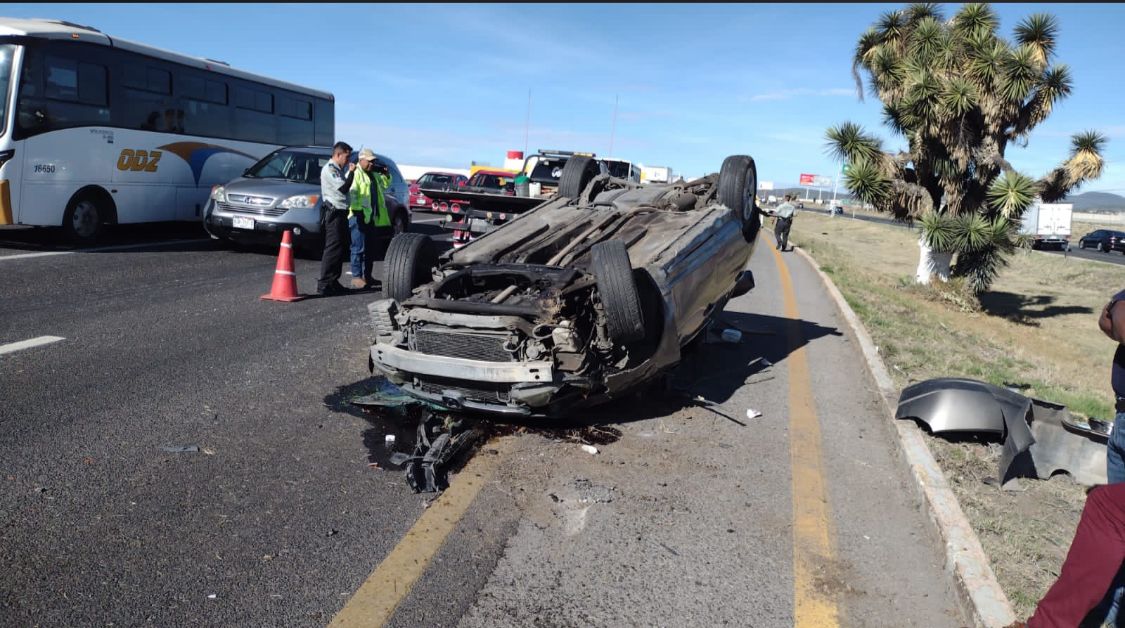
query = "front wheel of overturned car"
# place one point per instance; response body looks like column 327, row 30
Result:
column 617, row 289
column 738, row 188
column 409, row 261
column 576, row 175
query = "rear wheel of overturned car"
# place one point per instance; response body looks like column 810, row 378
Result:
column 617, row 289
column 576, row 175
column 410, row 259
column 738, row 187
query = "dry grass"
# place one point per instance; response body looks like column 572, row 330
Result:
column 1036, row 331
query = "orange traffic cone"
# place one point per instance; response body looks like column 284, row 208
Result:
column 285, row 277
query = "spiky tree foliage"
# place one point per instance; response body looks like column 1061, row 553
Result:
column 959, row 94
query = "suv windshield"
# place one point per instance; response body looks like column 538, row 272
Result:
column 7, row 51
column 291, row 165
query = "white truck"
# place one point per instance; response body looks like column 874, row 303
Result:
column 1048, row 225
column 656, row 174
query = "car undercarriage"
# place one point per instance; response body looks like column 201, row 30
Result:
column 580, row 300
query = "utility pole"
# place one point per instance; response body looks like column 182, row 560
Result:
column 527, row 123
column 613, row 129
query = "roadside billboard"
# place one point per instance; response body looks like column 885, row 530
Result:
column 807, row 179
column 765, row 185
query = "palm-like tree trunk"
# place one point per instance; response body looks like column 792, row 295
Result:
column 932, row 264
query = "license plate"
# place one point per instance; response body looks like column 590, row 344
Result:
column 243, row 223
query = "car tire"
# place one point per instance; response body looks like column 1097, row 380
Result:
column 407, row 265
column 576, row 175
column 1081, row 244
column 617, row 290
column 738, row 188
column 83, row 219
column 1103, row 247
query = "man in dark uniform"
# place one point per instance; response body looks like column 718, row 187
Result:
column 335, row 179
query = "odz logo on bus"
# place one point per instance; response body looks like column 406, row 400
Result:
column 138, row 160
column 195, row 154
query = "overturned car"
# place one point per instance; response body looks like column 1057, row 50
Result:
column 580, row 300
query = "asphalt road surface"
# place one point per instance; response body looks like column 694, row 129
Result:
column 175, row 451
column 1112, row 257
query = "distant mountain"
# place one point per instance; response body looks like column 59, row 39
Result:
column 1089, row 201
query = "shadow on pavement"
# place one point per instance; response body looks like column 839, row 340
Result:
column 710, row 374
column 1026, row 309
column 49, row 239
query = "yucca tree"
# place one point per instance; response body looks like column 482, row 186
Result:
column 959, row 94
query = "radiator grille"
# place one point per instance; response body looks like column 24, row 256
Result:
column 253, row 211
column 458, row 345
column 485, row 393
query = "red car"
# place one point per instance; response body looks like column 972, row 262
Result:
column 433, row 180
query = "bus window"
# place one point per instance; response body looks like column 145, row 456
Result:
column 7, row 52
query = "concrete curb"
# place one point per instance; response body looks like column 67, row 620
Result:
column 964, row 557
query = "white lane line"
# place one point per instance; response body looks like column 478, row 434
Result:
column 100, row 249
column 12, row 347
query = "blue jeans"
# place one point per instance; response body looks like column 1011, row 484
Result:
column 359, row 240
column 1115, row 473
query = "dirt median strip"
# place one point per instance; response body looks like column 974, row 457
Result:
column 377, row 598
column 965, row 557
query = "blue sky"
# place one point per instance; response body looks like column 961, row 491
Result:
column 443, row 85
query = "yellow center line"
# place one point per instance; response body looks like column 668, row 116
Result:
column 813, row 546
column 386, row 587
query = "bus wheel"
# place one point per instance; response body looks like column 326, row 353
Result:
column 83, row 220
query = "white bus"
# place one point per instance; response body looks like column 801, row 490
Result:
column 97, row 130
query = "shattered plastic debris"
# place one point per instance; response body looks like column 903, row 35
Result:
column 389, row 440
column 590, row 449
column 181, row 449
column 732, row 336
column 751, row 413
column 398, row 458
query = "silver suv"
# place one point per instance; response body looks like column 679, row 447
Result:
column 282, row 191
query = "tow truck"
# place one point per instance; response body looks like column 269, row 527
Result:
column 491, row 199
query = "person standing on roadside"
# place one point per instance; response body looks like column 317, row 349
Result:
column 1112, row 324
column 1094, row 561
column 368, row 219
column 784, row 221
column 335, row 180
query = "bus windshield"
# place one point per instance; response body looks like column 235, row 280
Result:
column 7, row 51
column 290, row 165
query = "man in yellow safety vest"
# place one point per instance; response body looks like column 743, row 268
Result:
column 368, row 219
